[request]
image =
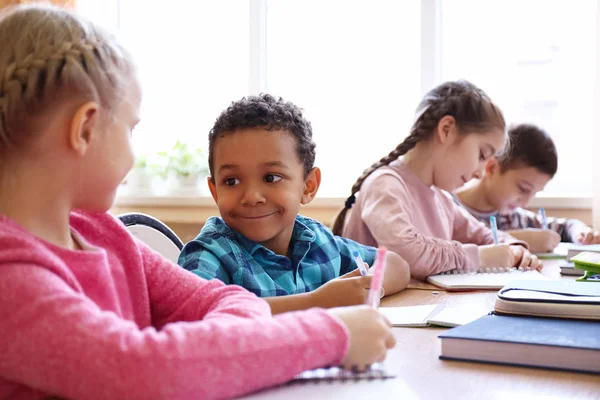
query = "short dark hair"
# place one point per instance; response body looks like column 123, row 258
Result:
column 269, row 112
column 529, row 146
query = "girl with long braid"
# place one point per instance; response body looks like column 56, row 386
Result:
column 403, row 200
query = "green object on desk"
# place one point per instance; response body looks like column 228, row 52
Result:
column 588, row 262
column 551, row 256
column 564, row 250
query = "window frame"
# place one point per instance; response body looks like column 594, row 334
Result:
column 431, row 54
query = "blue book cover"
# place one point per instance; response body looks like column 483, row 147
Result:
column 526, row 341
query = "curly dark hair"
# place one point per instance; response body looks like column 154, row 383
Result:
column 269, row 112
column 529, row 146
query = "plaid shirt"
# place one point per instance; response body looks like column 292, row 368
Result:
column 317, row 257
column 523, row 219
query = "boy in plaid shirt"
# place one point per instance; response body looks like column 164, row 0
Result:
column 261, row 161
column 511, row 179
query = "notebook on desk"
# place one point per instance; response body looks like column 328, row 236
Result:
column 569, row 269
column 431, row 315
column 409, row 316
column 483, row 279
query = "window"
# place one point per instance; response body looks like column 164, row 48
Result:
column 359, row 69
column 537, row 60
column 352, row 66
column 192, row 60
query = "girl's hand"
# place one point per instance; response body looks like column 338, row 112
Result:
column 370, row 335
column 523, row 259
column 496, row 256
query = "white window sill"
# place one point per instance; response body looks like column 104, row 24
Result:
column 198, row 198
column 573, row 202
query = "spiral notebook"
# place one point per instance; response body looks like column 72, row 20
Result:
column 375, row 371
column 483, row 279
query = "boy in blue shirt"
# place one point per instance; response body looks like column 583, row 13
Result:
column 261, row 161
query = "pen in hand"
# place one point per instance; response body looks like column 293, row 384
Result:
column 377, row 281
column 360, row 263
column 494, row 227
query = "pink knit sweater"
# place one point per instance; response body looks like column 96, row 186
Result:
column 422, row 224
column 118, row 321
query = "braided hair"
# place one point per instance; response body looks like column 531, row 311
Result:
column 471, row 108
column 49, row 57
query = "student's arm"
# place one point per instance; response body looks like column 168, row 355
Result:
column 539, row 240
column 57, row 341
column 561, row 229
column 576, row 231
column 292, row 302
column 343, row 291
column 397, row 274
column 205, row 264
column 388, row 212
column 510, row 253
column 179, row 295
column 569, row 229
column 467, row 229
column 397, row 271
column 587, row 236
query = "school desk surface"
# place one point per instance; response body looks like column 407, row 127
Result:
column 422, row 375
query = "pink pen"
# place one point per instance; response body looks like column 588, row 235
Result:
column 377, row 281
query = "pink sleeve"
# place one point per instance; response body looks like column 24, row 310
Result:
column 388, row 201
column 179, row 295
column 468, row 230
column 56, row 340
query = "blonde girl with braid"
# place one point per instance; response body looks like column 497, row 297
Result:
column 86, row 310
column 403, row 201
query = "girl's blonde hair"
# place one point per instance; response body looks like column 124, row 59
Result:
column 50, row 57
column 471, row 108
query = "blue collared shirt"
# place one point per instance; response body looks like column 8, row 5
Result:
column 317, row 257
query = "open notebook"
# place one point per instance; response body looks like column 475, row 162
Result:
column 483, row 279
column 432, row 315
column 375, row 371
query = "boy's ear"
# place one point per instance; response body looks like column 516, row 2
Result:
column 492, row 166
column 83, row 126
column 446, row 129
column 311, row 185
column 213, row 188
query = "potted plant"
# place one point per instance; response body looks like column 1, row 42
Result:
column 141, row 175
column 185, row 165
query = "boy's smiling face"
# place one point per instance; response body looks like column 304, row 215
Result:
column 259, row 184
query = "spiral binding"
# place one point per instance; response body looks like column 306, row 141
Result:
column 494, row 270
column 331, row 374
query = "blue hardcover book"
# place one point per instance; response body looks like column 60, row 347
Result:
column 572, row 345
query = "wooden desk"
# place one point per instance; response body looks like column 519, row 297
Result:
column 422, row 375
